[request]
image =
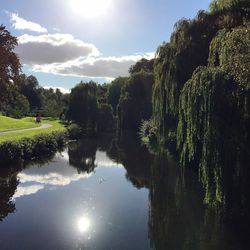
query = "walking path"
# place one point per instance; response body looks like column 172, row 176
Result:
column 27, row 129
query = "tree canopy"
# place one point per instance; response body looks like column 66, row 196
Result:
column 9, row 65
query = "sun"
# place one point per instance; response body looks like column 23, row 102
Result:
column 90, row 8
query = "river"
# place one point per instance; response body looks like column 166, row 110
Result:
column 107, row 194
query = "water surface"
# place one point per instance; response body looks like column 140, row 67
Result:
column 107, row 194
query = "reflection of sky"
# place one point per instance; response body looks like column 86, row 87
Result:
column 102, row 160
column 57, row 208
column 57, row 174
column 21, row 191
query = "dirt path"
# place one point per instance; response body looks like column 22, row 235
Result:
column 27, row 129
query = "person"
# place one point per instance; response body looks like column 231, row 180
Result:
column 38, row 118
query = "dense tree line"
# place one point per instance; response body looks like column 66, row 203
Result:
column 201, row 101
column 124, row 103
column 21, row 95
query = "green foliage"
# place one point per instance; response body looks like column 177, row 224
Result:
column 102, row 90
column 19, row 107
column 213, row 134
column 220, row 5
column 105, row 120
column 148, row 132
column 142, row 65
column 83, row 106
column 26, row 149
column 202, row 88
column 9, row 66
column 189, row 48
column 114, row 92
column 135, row 102
column 29, row 87
column 48, row 102
column 232, row 46
column 174, row 65
column 74, row 131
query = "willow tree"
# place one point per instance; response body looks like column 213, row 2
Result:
column 221, row 5
column 213, row 128
column 174, row 65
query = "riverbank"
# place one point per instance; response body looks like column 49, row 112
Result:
column 32, row 143
column 53, row 126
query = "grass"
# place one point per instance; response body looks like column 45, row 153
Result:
column 56, row 126
column 7, row 123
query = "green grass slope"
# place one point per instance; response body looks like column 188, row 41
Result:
column 16, row 136
column 7, row 123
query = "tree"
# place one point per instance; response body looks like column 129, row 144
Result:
column 105, row 122
column 114, row 92
column 220, row 5
column 143, row 64
column 9, row 64
column 52, row 102
column 19, row 106
column 102, row 93
column 135, row 102
column 83, row 105
column 30, row 88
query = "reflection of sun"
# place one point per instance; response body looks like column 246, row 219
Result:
column 83, row 224
column 90, row 8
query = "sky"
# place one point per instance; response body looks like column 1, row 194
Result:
column 64, row 42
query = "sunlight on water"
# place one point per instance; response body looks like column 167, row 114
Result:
column 83, row 224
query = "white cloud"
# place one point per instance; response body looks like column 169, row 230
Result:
column 63, row 90
column 28, row 190
column 55, row 179
column 52, row 48
column 21, row 24
column 62, row 54
column 105, row 67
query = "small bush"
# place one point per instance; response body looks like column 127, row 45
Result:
column 74, row 131
column 148, row 132
column 26, row 149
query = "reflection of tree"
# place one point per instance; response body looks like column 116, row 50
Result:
column 82, row 155
column 136, row 160
column 7, row 190
column 125, row 150
column 178, row 220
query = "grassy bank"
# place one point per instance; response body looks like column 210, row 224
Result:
column 31, row 144
column 17, row 136
column 7, row 123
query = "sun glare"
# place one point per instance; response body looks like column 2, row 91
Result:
column 83, row 224
column 90, row 8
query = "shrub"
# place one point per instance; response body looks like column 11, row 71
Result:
column 26, row 149
column 148, row 132
column 74, row 131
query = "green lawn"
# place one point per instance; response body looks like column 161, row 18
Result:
column 56, row 126
column 7, row 123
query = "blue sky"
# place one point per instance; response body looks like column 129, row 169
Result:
column 64, row 42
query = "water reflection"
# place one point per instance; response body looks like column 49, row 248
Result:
column 8, row 188
column 28, row 190
column 178, row 218
column 108, row 193
column 83, row 224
